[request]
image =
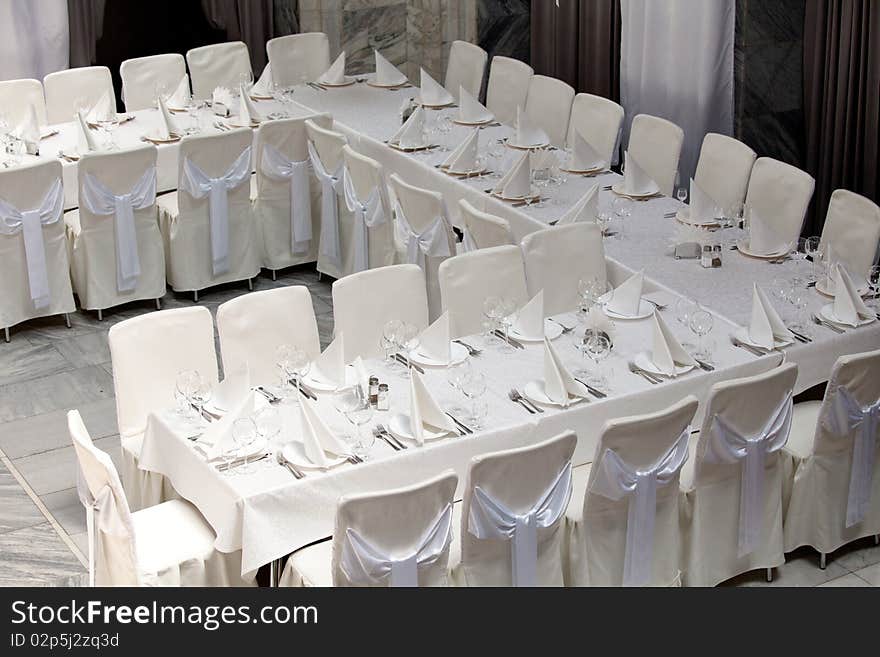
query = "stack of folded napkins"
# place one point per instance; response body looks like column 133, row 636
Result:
column 431, row 93
column 527, row 134
column 435, row 342
column 529, row 322
column 586, row 209
column 635, row 181
column 766, row 328
column 463, row 158
column 560, row 386
column 583, row 156
column 764, row 240
column 387, row 74
column 668, row 356
column 517, row 182
column 627, row 298
column 335, row 75
column 470, row 110
column 412, row 133
column 425, row 413
column 849, row 308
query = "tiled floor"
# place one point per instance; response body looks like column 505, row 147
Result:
column 48, row 369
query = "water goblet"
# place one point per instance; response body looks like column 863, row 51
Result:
column 473, row 386
column 244, row 434
column 701, row 322
column 597, row 347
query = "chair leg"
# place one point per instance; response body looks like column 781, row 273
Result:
column 319, row 276
column 274, row 275
column 158, row 304
column 6, row 331
column 769, row 574
column 100, row 315
column 67, row 319
column 196, row 296
column 822, row 560
column 250, row 284
column 876, row 536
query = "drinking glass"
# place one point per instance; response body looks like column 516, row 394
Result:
column 390, row 334
column 874, row 285
column 597, row 347
column 444, row 129
column 283, row 359
column 408, row 339
column 811, row 249
column 495, row 151
column 797, row 297
column 268, row 423
column 509, row 312
column 682, row 194
column 473, row 386
column 184, row 386
column 244, row 433
column 701, row 322
column 779, row 288
column 300, row 364
column 201, row 396
column 493, row 308
column 354, row 404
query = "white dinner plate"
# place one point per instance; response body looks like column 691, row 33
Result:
column 321, row 385
column 474, row 123
column 827, row 313
column 618, row 189
column 646, row 309
column 534, row 391
column 742, row 334
column 399, row 85
column 295, row 452
column 644, row 361
column 458, row 352
column 822, row 289
column 531, row 195
column 684, row 216
column 743, row 247
column 399, row 426
column 552, row 330
column 523, row 147
column 348, row 82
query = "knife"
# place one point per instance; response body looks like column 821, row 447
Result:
column 508, row 339
column 461, row 425
column 402, row 359
column 598, row 394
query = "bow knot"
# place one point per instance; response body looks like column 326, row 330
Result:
column 432, row 241
column 329, row 241
column 367, row 214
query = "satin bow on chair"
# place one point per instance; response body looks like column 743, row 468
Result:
column 729, row 446
column 198, row 184
column 330, row 185
column 615, row 479
column 433, row 241
column 363, row 564
column 488, row 518
column 276, row 166
column 101, row 201
column 848, row 417
column 367, row 214
column 30, row 223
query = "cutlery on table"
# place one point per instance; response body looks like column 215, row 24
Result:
column 382, row 436
column 528, row 401
column 282, row 460
column 383, row 430
column 658, row 306
column 461, row 425
column 607, row 188
column 304, row 390
column 598, row 394
column 516, row 398
column 223, row 467
column 400, row 358
column 800, row 336
column 353, row 459
column 755, row 351
column 565, row 329
column 828, row 325
column 208, row 417
column 669, row 215
column 811, row 284
column 647, row 376
column 473, row 351
column 270, row 397
column 508, row 339
column 706, row 367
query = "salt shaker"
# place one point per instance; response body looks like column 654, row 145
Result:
column 706, row 258
column 374, row 391
column 382, row 398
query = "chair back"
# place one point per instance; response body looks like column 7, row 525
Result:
column 723, row 171
column 298, row 58
column 656, row 143
column 18, row 96
column 483, row 230
column 780, row 194
column 145, row 77
column 598, row 120
column 217, row 65
column 548, row 105
column 852, row 228
column 508, row 87
column 467, row 63
column 76, row 88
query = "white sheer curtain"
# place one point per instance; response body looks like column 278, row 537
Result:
column 34, row 38
column 676, row 61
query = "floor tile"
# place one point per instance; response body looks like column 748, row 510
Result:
column 88, row 349
column 22, row 361
column 857, row 555
column 55, row 392
column 847, row 581
column 801, row 568
column 66, row 508
column 55, row 470
column 871, row 574
column 17, row 510
column 36, row 556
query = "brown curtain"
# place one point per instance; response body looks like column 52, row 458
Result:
column 86, row 23
column 842, row 100
column 578, row 42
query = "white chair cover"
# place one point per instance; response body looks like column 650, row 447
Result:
column 66, row 89
column 18, row 96
column 852, row 228
column 656, row 143
column 465, row 68
column 276, row 166
column 433, row 241
column 368, row 213
column 482, row 230
column 724, row 169
column 143, row 77
column 599, row 121
column 508, row 87
column 298, row 58
column 548, row 105
column 370, row 243
column 780, row 194
column 217, row 65
column 325, row 152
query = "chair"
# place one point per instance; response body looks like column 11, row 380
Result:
column 481, row 229
column 144, row 78
column 548, row 105
column 169, row 544
column 780, row 194
column 508, row 87
column 252, row 327
column 466, row 281
column 209, row 235
column 18, row 96
column 423, row 233
column 599, row 121
column 75, row 88
column 388, row 538
column 852, row 228
column 34, row 270
column 298, row 58
column 218, row 65
column 512, row 514
column 364, row 302
column 465, row 68
column 723, row 171
column 557, row 258
column 287, row 204
column 116, row 252
column 366, row 197
column 834, row 486
column 732, row 487
column 624, row 529
column 146, row 354
column 656, row 143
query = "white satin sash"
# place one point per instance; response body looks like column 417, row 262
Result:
column 433, row 241
column 728, row 446
column 363, row 564
column 101, row 201
column 330, row 184
column 30, row 223
column 488, row 518
column 367, row 214
column 198, row 184
column 848, row 417
column 615, row 479
column 276, row 166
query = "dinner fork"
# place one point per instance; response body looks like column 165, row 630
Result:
column 382, row 428
column 827, row 325
column 282, row 461
column 378, row 434
column 647, row 376
column 517, row 399
column 473, row 351
column 565, row 329
column 528, row 401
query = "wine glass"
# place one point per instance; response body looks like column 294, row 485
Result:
column 408, row 339
column 597, row 347
column 455, row 374
column 389, row 339
column 283, row 359
column 300, row 364
column 779, row 288
column 268, row 423
column 184, row 386
column 797, row 297
column 473, row 386
column 354, row 405
column 244, row 433
column 493, row 308
column 811, row 250
column 509, row 312
column 701, row 322
column 682, row 195
column 444, row 129
column 201, row 396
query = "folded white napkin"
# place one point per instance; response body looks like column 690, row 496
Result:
column 530, row 319
column 317, row 439
column 218, row 435
column 263, row 87
column 329, row 367
column 470, row 110
column 702, row 208
column 435, row 341
column 336, row 73
column 103, row 110
column 247, row 111
column 85, row 139
column 387, row 74
column 668, row 352
column 411, row 133
column 597, row 320
column 517, row 182
column 29, row 130
column 181, row 96
column 559, row 384
column 628, row 296
column 763, row 238
column 528, row 134
column 424, row 410
column 463, row 159
column 431, row 92
column 849, row 307
column 583, row 156
column 233, row 388
column 221, row 101
column 635, row 181
column 167, row 126
column 586, row 209
column 766, row 326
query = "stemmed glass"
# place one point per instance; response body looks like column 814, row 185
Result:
column 389, row 339
column 268, row 423
column 408, row 339
column 283, row 359
column 495, row 151
column 455, row 374
column 701, row 323
column 597, row 348
column 184, row 387
column 473, row 386
column 811, row 252
column 244, row 433
column 200, row 396
column 444, row 129
column 682, row 194
column 354, row 404
column 684, row 307
column 509, row 312
column 797, row 297
column 779, row 288
column 493, row 308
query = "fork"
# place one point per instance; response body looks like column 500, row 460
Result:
column 647, row 376
column 382, row 436
column 473, row 351
column 517, row 399
column 282, row 460
column 528, row 401
column 384, row 430
column 565, row 329
column 658, row 306
column 821, row 322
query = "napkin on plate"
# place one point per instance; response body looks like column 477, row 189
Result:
column 103, row 110
column 218, row 435
column 181, row 96
column 470, row 110
column 317, row 439
column 702, row 208
column 168, row 126
column 517, row 182
column 387, row 74
column 559, row 384
column 424, row 410
column 635, row 181
column 463, row 158
column 849, row 307
column 586, row 209
column 763, row 238
column 263, row 87
column 85, row 139
column 233, row 388
column 598, row 321
column 411, row 133
column 329, row 367
column 628, row 296
column 528, row 134
column 336, row 73
column 766, row 326
column 434, row 342
column 29, row 131
column 583, row 156
column 247, row 111
column 221, row 101
column 668, row 352
column 432, row 93
column 530, row 320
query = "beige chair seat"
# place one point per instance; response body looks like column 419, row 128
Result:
column 193, row 537
column 803, row 428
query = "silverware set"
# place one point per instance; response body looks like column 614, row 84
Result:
column 756, row 351
column 508, row 339
column 517, row 398
column 598, row 394
column 400, row 358
column 472, row 351
column 462, row 427
column 821, row 322
column 565, row 329
column 650, row 377
column 282, row 461
column 379, row 431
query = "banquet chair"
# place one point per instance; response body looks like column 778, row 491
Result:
column 548, row 105
column 833, row 495
column 145, row 78
column 467, row 280
column 208, row 225
column 852, row 228
column 34, row 270
column 732, row 485
column 115, row 246
column 169, row 544
column 656, row 143
column 423, row 234
column 298, row 58
column 481, row 229
column 723, row 171
column 615, row 533
column 146, row 354
column 217, row 65
column 364, row 302
column 252, row 327
column 465, row 68
column 508, row 87
column 76, row 88
column 18, row 96
column 780, row 194
column 325, row 152
column 287, row 203
column 557, row 258
column 512, row 514
column 599, row 121
column 390, row 538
